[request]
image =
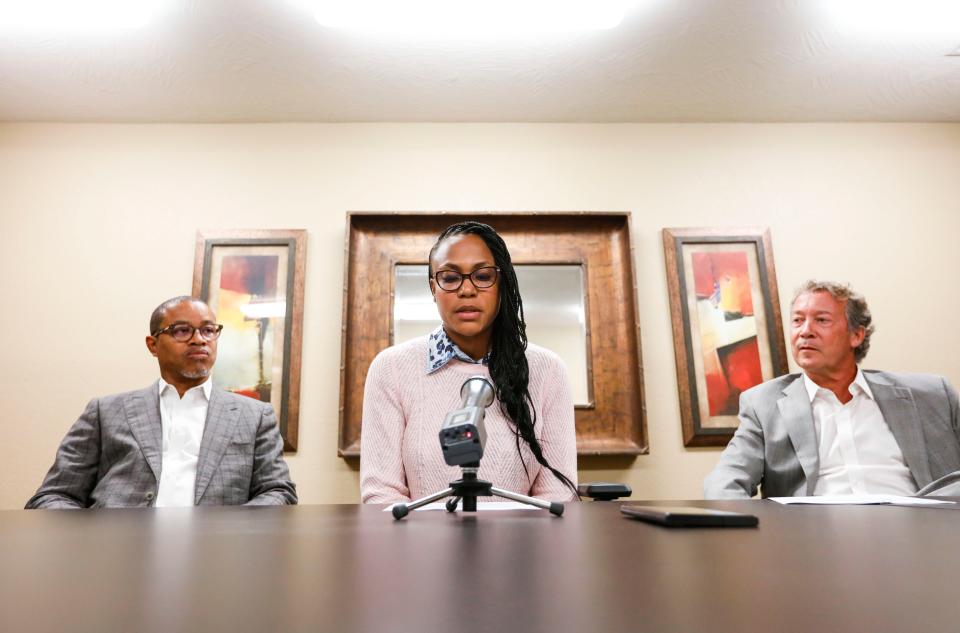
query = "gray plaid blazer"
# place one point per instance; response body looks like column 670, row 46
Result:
column 111, row 456
column 775, row 446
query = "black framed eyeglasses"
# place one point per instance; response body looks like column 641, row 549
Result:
column 451, row 280
column 183, row 332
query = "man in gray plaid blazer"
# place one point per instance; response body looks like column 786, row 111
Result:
column 178, row 442
column 836, row 429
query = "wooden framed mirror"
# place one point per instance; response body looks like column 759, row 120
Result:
column 576, row 277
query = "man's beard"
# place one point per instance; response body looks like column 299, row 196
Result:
column 196, row 373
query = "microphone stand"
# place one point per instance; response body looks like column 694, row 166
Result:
column 468, row 488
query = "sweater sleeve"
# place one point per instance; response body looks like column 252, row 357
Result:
column 382, row 478
column 557, row 434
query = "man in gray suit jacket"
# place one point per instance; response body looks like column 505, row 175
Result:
column 835, row 429
column 178, row 442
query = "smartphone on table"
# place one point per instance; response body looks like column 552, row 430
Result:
column 673, row 516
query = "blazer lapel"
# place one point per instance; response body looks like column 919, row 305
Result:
column 798, row 418
column 221, row 418
column 900, row 413
column 143, row 415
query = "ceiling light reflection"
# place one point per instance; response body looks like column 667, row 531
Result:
column 896, row 18
column 77, row 15
column 469, row 17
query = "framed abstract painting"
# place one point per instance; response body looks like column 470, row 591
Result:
column 253, row 281
column 727, row 330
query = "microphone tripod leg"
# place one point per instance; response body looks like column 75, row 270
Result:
column 553, row 507
column 401, row 510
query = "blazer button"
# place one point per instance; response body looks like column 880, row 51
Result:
column 149, row 496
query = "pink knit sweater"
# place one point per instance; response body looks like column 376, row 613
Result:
column 404, row 408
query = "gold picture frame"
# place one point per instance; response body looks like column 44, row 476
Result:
column 727, row 328
column 253, row 280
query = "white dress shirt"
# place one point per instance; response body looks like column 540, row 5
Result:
column 182, row 421
column 858, row 453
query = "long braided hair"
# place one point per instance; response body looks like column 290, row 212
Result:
column 508, row 343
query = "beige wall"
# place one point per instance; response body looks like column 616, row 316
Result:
column 98, row 225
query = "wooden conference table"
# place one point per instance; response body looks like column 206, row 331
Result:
column 351, row 568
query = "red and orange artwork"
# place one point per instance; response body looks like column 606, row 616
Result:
column 247, row 284
column 728, row 328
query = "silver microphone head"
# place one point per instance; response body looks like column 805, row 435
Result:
column 476, row 392
column 463, row 433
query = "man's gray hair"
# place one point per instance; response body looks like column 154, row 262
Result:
column 857, row 311
column 156, row 318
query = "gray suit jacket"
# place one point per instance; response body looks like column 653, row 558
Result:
column 775, row 446
column 111, row 456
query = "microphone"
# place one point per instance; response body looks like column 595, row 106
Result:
column 463, row 434
column 476, row 392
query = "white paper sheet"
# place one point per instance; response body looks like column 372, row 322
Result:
column 481, row 506
column 854, row 500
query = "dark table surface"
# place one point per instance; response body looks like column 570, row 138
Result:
column 352, row 568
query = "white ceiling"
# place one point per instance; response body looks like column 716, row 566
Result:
column 670, row 60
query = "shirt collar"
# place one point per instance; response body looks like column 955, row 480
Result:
column 441, row 350
column 859, row 385
column 206, row 387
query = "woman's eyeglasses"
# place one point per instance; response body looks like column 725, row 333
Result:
column 450, row 280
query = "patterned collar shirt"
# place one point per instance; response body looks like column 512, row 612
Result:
column 441, row 350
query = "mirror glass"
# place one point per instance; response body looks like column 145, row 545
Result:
column 553, row 306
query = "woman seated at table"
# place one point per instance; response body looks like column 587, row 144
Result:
column 531, row 444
